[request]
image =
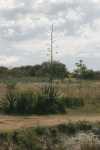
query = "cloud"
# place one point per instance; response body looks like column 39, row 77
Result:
column 75, row 15
column 96, row 25
column 8, row 49
column 9, row 33
column 26, row 53
column 95, row 1
column 91, row 35
column 97, row 54
column 84, row 31
column 10, row 4
column 30, row 45
column 28, row 22
column 84, row 55
column 8, row 60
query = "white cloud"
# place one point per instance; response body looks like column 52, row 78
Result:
column 97, row 54
column 96, row 24
column 2, row 56
column 75, row 15
column 26, row 53
column 84, row 31
column 64, row 32
column 10, row 4
column 67, row 1
column 84, row 55
column 66, row 45
column 95, row 1
column 26, row 22
column 8, row 60
column 92, row 36
column 30, row 45
column 8, row 49
column 9, row 33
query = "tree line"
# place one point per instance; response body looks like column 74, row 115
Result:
column 44, row 70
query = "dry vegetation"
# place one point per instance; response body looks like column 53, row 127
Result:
column 92, row 105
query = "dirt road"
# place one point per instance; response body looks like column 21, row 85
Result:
column 10, row 122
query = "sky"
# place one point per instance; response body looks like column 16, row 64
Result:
column 25, row 29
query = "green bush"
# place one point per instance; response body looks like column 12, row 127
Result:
column 39, row 130
column 19, row 103
column 29, row 140
column 78, row 101
column 47, row 102
column 44, row 106
column 61, row 104
column 26, row 102
column 73, row 101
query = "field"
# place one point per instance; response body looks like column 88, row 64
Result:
column 90, row 92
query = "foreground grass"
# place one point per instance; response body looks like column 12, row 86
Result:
column 29, row 138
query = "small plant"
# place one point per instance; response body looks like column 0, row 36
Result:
column 55, row 141
column 61, row 148
column 14, row 136
column 93, row 87
column 93, row 103
column 57, row 81
column 39, row 130
column 10, row 85
column 84, row 125
column 88, row 146
column 62, row 128
column 54, row 132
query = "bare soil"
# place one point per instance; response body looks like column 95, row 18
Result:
column 15, row 122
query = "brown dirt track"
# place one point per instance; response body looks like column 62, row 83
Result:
column 11, row 122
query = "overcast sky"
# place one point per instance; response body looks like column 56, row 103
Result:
column 24, row 25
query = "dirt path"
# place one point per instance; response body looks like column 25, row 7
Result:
column 10, row 122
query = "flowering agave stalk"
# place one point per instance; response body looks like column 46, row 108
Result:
column 80, row 70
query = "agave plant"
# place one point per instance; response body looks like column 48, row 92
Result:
column 47, row 101
column 9, row 102
column 52, row 93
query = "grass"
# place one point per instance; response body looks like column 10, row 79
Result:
column 29, row 138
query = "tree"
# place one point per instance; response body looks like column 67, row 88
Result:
column 80, row 70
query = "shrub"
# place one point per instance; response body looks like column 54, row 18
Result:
column 26, row 102
column 47, row 102
column 73, row 101
column 9, row 102
column 61, row 104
